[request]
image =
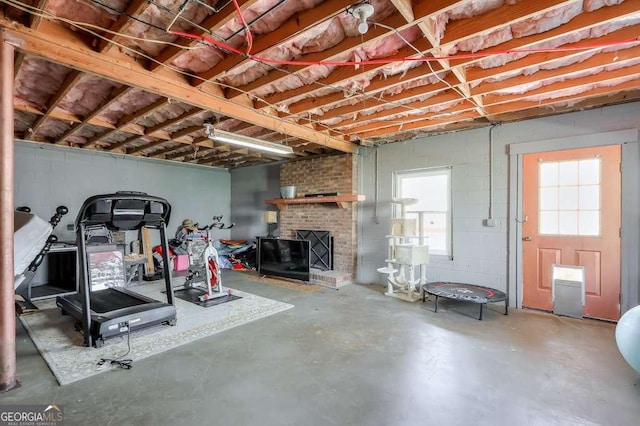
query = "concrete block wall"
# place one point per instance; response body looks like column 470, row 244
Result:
column 479, row 252
column 468, row 155
column 325, row 174
column 47, row 176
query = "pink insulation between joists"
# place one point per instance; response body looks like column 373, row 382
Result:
column 594, row 32
column 466, row 10
column 581, row 89
column 317, row 39
column 37, row 81
column 276, row 13
column 195, row 120
column 53, row 128
column 86, row 11
column 538, row 24
column 22, row 120
column 591, row 5
column 523, row 88
column 130, row 103
column 167, row 112
column 86, row 95
column 410, row 111
column 424, row 81
column 551, row 65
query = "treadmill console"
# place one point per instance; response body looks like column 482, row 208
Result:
column 124, row 211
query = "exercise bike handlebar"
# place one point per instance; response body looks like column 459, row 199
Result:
column 217, row 223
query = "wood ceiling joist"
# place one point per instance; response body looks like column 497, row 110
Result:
column 436, row 129
column 631, row 94
column 171, row 122
column 60, row 45
column 467, row 113
column 543, row 58
column 523, row 103
column 70, row 80
column 347, row 45
column 580, row 23
column 225, row 160
column 167, row 150
column 126, row 121
column 137, row 149
column 594, row 79
column 64, row 116
column 443, row 99
column 177, row 155
column 464, row 29
column 186, row 132
column 115, row 95
column 304, row 95
column 17, row 62
column 123, row 143
column 135, row 8
column 592, row 64
column 417, row 125
column 37, row 19
column 436, row 89
column 212, row 153
column 429, row 31
column 456, row 31
column 405, row 9
column 212, row 23
column 343, row 77
column 292, row 27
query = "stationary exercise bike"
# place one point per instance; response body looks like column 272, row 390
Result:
column 204, row 271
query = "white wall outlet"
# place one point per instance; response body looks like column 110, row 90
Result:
column 490, row 223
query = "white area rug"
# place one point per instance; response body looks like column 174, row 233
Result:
column 69, row 360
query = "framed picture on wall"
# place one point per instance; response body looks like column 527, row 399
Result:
column 105, row 267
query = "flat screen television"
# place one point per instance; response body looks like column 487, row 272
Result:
column 284, row 258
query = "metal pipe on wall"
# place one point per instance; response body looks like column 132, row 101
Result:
column 7, row 311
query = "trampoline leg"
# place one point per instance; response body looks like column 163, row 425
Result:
column 506, row 307
column 424, row 295
column 480, row 319
column 436, row 304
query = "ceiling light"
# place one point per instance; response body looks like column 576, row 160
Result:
column 362, row 12
column 246, row 141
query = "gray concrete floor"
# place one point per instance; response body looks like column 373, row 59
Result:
column 357, row 357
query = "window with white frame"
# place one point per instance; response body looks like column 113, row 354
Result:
column 432, row 188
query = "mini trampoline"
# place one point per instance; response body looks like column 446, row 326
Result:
column 465, row 293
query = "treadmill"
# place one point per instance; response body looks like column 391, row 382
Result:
column 114, row 311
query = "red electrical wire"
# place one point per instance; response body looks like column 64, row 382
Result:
column 249, row 38
column 247, row 31
column 226, row 46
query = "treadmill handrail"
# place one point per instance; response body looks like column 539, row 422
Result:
column 83, row 215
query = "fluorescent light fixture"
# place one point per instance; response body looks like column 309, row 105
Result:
column 246, row 141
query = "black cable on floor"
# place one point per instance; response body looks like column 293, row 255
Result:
column 127, row 363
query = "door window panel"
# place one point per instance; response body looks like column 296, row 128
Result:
column 569, row 197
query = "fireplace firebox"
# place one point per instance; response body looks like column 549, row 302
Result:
column 320, row 247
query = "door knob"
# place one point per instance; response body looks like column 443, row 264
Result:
column 527, row 238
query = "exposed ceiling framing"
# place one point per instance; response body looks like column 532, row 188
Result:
column 142, row 77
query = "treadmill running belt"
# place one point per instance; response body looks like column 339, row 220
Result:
column 111, row 300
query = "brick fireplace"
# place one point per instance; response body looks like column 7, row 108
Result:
column 323, row 175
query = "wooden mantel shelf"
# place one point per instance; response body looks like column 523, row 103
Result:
column 339, row 200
